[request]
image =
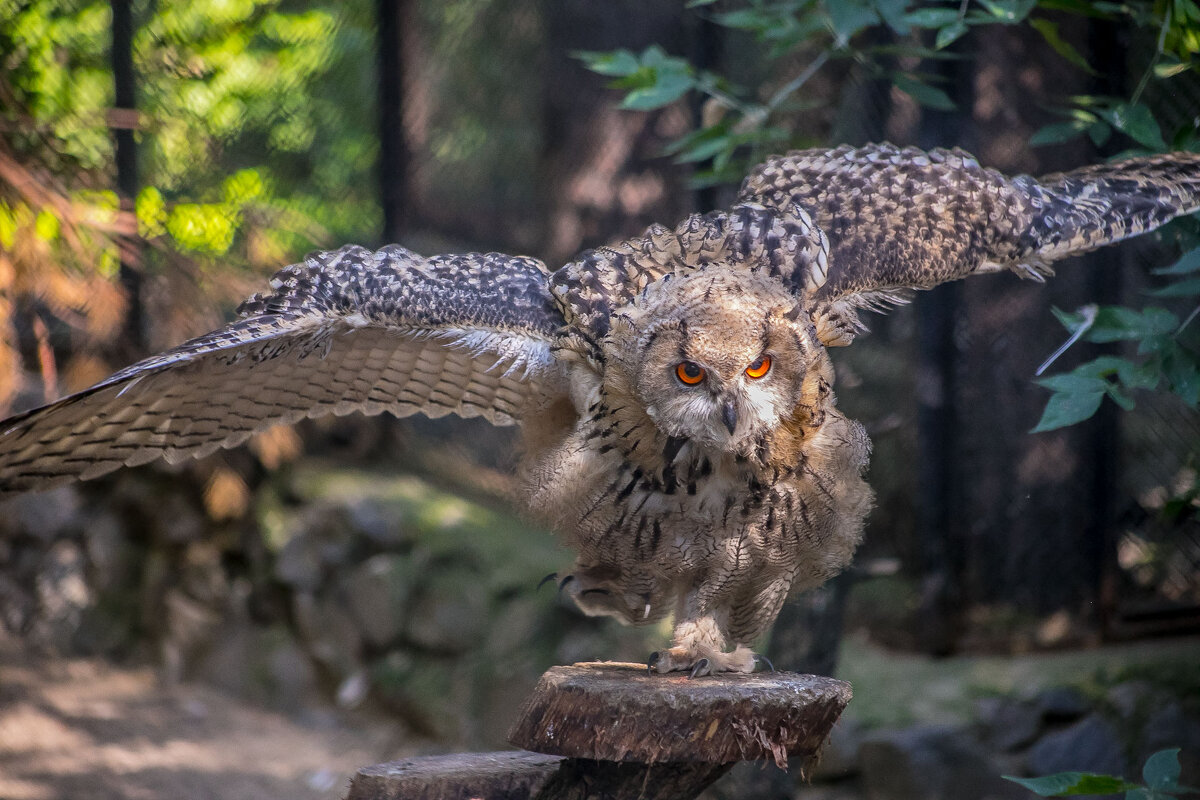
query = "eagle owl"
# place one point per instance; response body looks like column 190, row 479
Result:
column 674, row 390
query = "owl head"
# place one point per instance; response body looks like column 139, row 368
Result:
column 718, row 357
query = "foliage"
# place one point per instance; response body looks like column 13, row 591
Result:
column 744, row 124
column 1160, row 773
column 255, row 136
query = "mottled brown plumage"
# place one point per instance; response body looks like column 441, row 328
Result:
column 674, row 390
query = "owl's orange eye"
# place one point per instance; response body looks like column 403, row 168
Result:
column 759, row 368
column 689, row 372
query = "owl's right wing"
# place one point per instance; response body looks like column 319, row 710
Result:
column 345, row 331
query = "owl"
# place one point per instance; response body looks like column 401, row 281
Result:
column 674, row 391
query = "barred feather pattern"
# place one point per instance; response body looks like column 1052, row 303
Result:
column 901, row 218
column 344, row 331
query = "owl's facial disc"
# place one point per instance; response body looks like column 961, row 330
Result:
column 724, row 370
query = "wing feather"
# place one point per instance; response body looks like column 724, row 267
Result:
column 344, row 332
column 902, row 218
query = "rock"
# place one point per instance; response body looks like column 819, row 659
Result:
column 381, row 524
column 44, row 515
column 299, row 564
column 109, row 551
column 450, row 611
column 377, row 594
column 1091, row 745
column 1131, row 698
column 930, row 762
column 1012, row 724
column 63, row 595
column 328, row 633
column 1061, row 704
column 839, row 756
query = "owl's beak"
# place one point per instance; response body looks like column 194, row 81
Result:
column 729, row 416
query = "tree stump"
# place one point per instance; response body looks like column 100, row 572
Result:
column 618, row 733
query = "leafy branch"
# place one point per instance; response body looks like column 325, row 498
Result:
column 1160, row 773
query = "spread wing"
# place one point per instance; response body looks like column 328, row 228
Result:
column 899, row 218
column 345, row 331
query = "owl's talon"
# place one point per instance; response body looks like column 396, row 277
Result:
column 759, row 657
column 564, row 582
column 699, row 668
column 553, row 576
column 595, row 591
column 651, row 662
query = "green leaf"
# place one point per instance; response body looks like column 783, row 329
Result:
column 46, row 226
column 1119, row 397
column 1162, row 769
column 616, row 63
column 1068, row 784
column 1182, row 373
column 1170, row 69
column 949, row 34
column 1072, row 383
column 1139, row 376
column 1137, row 122
column 923, row 93
column 659, row 80
column 1058, row 132
column 1009, row 11
column 1061, row 410
column 1186, row 265
column 892, row 12
column 1099, row 132
column 848, row 17
column 1188, row 288
column 1049, row 32
column 747, row 19
column 931, row 17
column 666, row 90
column 1118, row 323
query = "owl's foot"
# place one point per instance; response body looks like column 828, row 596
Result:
column 703, row 660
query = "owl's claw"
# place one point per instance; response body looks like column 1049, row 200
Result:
column 564, row 582
column 759, row 657
column 702, row 661
column 553, row 576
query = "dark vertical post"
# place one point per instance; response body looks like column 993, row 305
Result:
column 125, row 104
column 940, row 543
column 1098, row 537
column 394, row 156
column 941, row 551
column 704, row 39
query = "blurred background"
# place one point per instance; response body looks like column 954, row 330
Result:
column 367, row 577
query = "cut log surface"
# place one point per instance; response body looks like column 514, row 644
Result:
column 618, row 712
column 611, row 731
column 509, row 775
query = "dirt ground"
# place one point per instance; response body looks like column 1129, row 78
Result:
column 83, row 729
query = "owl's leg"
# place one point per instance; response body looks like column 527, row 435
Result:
column 701, row 637
column 699, row 648
column 752, row 614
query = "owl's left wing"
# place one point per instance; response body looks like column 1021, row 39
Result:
column 345, row 331
column 901, row 218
